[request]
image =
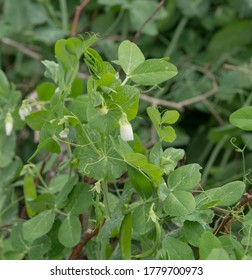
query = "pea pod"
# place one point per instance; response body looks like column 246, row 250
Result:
column 125, row 237
column 30, row 193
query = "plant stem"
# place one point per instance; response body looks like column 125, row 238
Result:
column 106, row 203
column 213, row 157
column 88, row 138
column 176, row 36
column 64, row 15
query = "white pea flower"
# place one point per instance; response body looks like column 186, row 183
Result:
column 126, row 131
column 24, row 110
column 64, row 133
column 8, row 124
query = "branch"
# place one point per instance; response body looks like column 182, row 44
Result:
column 226, row 220
column 77, row 16
column 200, row 98
column 89, row 234
column 21, row 48
column 140, row 30
column 156, row 101
column 237, row 68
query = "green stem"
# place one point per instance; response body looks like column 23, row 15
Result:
column 64, row 15
column 125, row 80
column 105, row 194
column 10, row 205
column 69, row 151
column 60, row 212
column 226, row 157
column 176, row 36
column 248, row 243
column 88, row 138
column 213, row 157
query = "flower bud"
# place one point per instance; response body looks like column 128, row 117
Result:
column 8, row 124
column 24, row 110
column 103, row 110
column 126, row 131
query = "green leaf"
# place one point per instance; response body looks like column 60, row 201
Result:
column 140, row 161
column 226, row 195
column 153, row 72
column 42, row 202
column 70, row 231
column 77, row 88
column 125, row 237
column 116, row 216
column 232, row 246
column 108, row 164
column 223, row 41
column 167, row 134
column 130, row 56
column 62, row 197
column 141, row 223
column 39, row 248
column 57, row 183
column 45, row 91
column 194, row 8
column 37, row 119
column 174, row 249
column 52, row 70
column 17, row 239
column 124, row 98
column 4, row 84
column 80, row 199
column 76, row 47
column 179, row 203
column 140, row 182
column 10, row 172
column 248, row 218
column 207, row 242
column 170, row 159
column 78, row 107
column 192, row 232
column 186, row 177
column 7, row 149
column 218, row 254
column 170, row 117
column 155, row 117
column 49, row 145
column 136, row 159
column 38, row 226
column 139, row 12
column 242, row 118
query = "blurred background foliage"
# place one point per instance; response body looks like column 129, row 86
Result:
column 208, row 40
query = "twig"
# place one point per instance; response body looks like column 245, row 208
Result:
column 214, row 112
column 140, row 30
column 77, row 16
column 200, row 98
column 89, row 234
column 237, row 68
column 156, row 101
column 21, row 48
column 228, row 219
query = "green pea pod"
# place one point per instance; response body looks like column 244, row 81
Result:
column 125, row 237
column 30, row 193
column 156, row 244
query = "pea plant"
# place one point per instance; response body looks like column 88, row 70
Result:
column 91, row 190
